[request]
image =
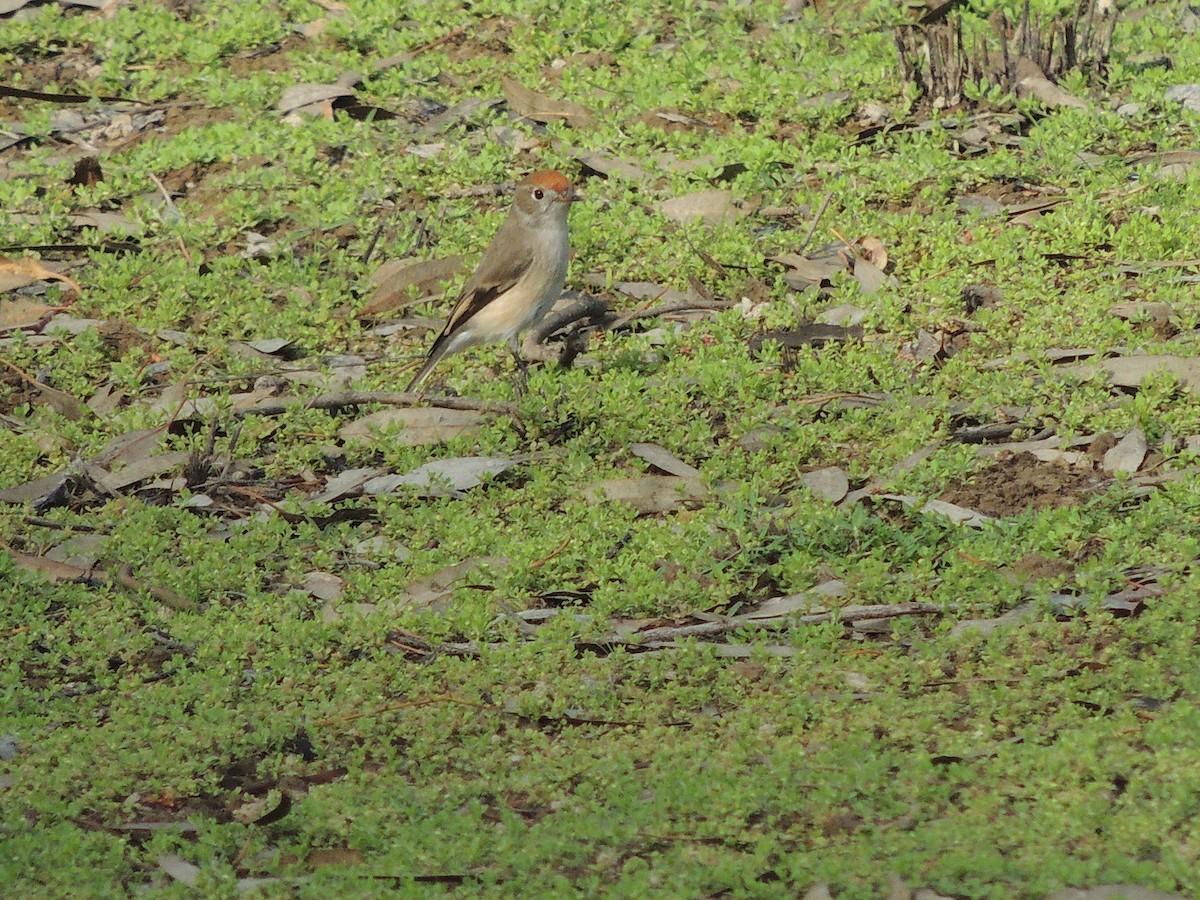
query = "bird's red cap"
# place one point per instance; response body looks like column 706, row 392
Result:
column 549, row 180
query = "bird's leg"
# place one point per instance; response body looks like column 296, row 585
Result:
column 514, row 347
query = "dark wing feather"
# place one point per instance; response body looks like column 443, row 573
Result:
column 502, row 266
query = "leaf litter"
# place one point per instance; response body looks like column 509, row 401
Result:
column 680, row 478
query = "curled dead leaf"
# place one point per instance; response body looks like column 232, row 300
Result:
column 18, row 273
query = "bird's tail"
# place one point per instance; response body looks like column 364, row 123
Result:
column 439, row 349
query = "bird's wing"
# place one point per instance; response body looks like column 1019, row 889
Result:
column 502, row 266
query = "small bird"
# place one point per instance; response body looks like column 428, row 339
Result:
column 520, row 276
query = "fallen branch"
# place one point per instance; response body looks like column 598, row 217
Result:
column 659, row 638
column 736, row 623
column 586, row 306
column 347, row 399
column 666, row 309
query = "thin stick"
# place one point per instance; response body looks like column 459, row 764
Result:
column 816, row 219
column 346, row 399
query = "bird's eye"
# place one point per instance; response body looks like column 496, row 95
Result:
column 538, row 194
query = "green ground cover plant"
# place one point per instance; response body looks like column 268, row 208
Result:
column 854, row 551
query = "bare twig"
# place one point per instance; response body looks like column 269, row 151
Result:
column 657, row 638
column 40, row 522
column 644, row 312
column 816, row 220
column 347, row 399
column 737, row 623
column 586, row 306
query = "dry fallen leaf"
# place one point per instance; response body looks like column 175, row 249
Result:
column 872, row 250
column 308, row 98
column 650, row 494
column 1154, row 311
column 346, row 484
column 1114, row 892
column 23, row 313
column 421, row 426
column 1128, row 454
column 829, row 483
column 664, row 459
column 539, row 107
column 1131, row 371
column 179, row 868
column 603, row 164
column 1032, row 82
column 1019, row 615
column 959, row 515
column 711, row 207
column 17, row 273
column 814, row 270
column 324, row 585
column 325, row 857
column 807, row 336
column 443, row 476
column 141, row 470
column 869, row 276
column 429, row 589
column 394, row 279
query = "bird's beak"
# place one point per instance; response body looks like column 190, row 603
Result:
column 569, row 197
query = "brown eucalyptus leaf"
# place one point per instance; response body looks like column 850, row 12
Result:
column 710, row 207
column 1155, row 311
column 811, row 335
column 873, row 251
column 829, row 483
column 808, row 601
column 1115, row 892
column 1032, row 82
column 960, row 515
column 443, row 476
column 345, row 484
column 421, row 426
column 1019, row 615
column 141, row 470
column 299, row 97
column 429, row 589
column 106, row 222
column 1128, row 454
column 980, row 204
column 394, row 280
column 65, row 405
column 179, row 869
column 869, row 276
column 324, row 857
column 1131, row 371
column 649, row 494
column 17, row 273
column 23, row 312
column 649, row 290
column 816, row 269
column 541, row 108
column 608, row 166
column 35, row 492
column 664, row 459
